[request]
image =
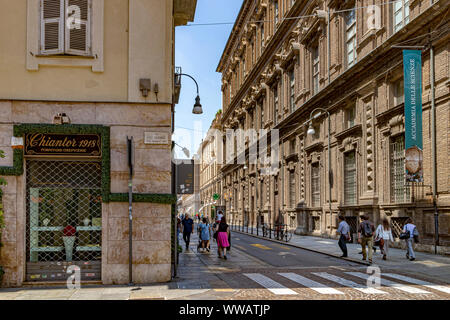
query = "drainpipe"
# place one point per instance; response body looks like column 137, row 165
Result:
column 329, row 45
column 433, row 151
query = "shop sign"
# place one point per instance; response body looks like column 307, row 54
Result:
column 55, row 144
column 412, row 67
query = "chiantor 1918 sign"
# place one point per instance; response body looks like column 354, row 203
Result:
column 52, row 144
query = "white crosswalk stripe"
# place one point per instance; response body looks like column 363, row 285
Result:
column 269, row 284
column 389, row 283
column 348, row 283
column 430, row 285
column 311, row 284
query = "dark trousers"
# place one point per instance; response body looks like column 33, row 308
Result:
column 343, row 244
column 187, row 238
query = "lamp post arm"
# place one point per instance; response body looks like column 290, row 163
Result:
column 184, row 74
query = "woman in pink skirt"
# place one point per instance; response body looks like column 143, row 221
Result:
column 222, row 237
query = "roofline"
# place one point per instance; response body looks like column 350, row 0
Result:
column 232, row 34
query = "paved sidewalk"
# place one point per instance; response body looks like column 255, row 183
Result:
column 427, row 264
column 195, row 281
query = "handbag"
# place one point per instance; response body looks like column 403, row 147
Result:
column 405, row 235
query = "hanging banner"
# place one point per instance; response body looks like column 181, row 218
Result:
column 412, row 68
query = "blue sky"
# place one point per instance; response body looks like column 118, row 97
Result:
column 198, row 50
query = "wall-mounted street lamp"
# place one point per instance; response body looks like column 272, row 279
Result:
column 184, row 149
column 197, row 106
column 311, row 132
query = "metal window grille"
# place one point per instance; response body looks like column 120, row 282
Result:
column 397, row 225
column 292, row 189
column 350, row 178
column 400, row 191
column 316, row 223
column 64, row 207
column 351, row 37
column 353, row 224
column 401, row 14
column 315, row 185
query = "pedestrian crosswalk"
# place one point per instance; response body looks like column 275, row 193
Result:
column 332, row 284
column 270, row 284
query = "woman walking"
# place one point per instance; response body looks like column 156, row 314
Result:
column 204, row 234
column 222, row 237
column 383, row 236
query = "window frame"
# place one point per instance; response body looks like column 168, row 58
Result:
column 292, row 90
column 350, row 199
column 315, row 188
column 350, row 38
column 315, row 60
column 404, row 10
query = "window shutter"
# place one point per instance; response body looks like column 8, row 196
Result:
column 78, row 27
column 52, row 26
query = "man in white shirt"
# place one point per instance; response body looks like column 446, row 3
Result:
column 409, row 226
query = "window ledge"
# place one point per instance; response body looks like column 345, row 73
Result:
column 63, row 56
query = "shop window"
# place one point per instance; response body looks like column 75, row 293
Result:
column 350, row 178
column 315, row 185
column 350, row 33
column 400, row 14
column 400, row 191
column 65, row 27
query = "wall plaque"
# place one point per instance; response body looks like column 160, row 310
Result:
column 55, row 144
column 156, row 138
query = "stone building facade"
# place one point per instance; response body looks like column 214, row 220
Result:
column 80, row 87
column 209, row 167
column 283, row 60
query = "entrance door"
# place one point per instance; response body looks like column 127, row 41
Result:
column 64, row 223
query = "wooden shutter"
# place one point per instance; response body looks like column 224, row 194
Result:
column 78, row 27
column 52, row 27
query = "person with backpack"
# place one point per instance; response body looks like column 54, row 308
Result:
column 344, row 231
column 365, row 236
column 383, row 235
column 409, row 238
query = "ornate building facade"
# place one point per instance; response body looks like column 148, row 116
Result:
column 209, row 167
column 286, row 58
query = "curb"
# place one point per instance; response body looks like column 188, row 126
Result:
column 304, row 248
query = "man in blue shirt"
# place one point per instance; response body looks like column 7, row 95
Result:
column 188, row 229
column 344, row 231
column 409, row 226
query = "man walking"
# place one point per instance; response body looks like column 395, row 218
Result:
column 187, row 230
column 411, row 228
column 344, row 231
column 365, row 236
